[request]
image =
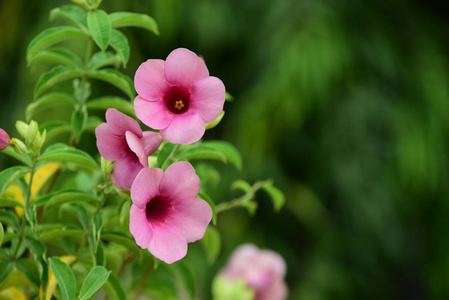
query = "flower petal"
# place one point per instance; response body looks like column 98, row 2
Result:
column 119, row 123
column 146, row 186
column 192, row 217
column 136, row 145
column 240, row 259
column 149, row 81
column 138, row 226
column 208, row 97
column 168, row 243
column 153, row 114
column 151, row 141
column 110, row 146
column 183, row 67
column 179, row 183
column 185, row 128
column 125, row 170
column 275, row 291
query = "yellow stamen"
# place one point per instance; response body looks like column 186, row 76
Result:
column 179, row 105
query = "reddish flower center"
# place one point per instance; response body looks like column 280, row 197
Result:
column 157, row 209
column 177, row 100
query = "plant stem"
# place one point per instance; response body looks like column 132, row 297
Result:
column 27, row 202
column 240, row 201
column 144, row 280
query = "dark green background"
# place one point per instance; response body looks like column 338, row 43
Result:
column 344, row 104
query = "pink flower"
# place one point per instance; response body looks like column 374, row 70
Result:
column 165, row 214
column 121, row 140
column 262, row 270
column 4, row 139
column 177, row 96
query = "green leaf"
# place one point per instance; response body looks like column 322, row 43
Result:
column 46, row 101
column 211, row 243
column 36, row 248
column 8, row 176
column 30, row 269
column 68, row 197
column 277, row 197
column 114, row 288
column 124, row 212
column 68, row 231
column 251, row 206
column 100, row 27
column 9, row 202
column 50, row 37
column 65, row 278
column 103, row 103
column 164, row 155
column 185, row 275
column 55, row 128
column 92, row 123
column 30, row 214
column 115, row 78
column 228, row 150
column 72, row 13
column 9, row 237
column 60, row 56
column 61, row 152
column 120, row 44
column 8, row 217
column 23, row 158
column 78, row 122
column 211, row 204
column 103, row 59
column 5, row 269
column 228, row 97
column 241, row 185
column 125, row 19
column 83, row 216
column 2, row 233
column 96, row 229
column 99, row 255
column 54, row 76
column 93, row 282
column 201, row 152
column 120, row 238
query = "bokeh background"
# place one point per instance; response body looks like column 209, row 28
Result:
column 345, row 104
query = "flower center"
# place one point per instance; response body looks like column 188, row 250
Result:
column 177, row 100
column 179, row 105
column 157, row 209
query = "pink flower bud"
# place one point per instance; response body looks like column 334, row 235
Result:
column 4, row 139
column 262, row 270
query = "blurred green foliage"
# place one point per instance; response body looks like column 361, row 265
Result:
column 344, row 104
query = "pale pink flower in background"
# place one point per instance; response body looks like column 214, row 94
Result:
column 262, row 270
column 165, row 214
column 177, row 96
column 4, row 139
column 121, row 140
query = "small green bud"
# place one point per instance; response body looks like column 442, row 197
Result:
column 22, row 128
column 106, row 167
column 40, row 139
column 19, row 146
column 33, row 131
